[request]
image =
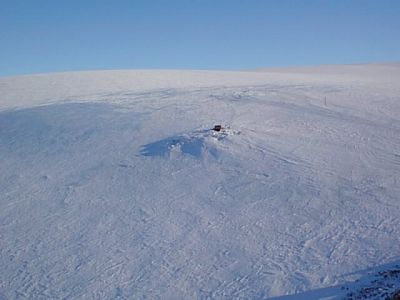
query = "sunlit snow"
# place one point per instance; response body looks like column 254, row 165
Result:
column 114, row 186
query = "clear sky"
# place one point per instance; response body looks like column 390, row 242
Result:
column 39, row 36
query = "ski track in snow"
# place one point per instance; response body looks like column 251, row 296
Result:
column 128, row 195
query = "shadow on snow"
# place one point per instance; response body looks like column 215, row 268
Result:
column 194, row 146
column 381, row 282
column 187, row 145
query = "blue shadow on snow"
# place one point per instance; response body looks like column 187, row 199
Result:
column 190, row 145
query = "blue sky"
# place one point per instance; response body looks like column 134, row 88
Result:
column 39, row 36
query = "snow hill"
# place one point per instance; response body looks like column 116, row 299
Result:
column 113, row 186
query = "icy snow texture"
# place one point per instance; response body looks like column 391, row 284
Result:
column 112, row 186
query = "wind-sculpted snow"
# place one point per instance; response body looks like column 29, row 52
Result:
column 129, row 194
column 187, row 145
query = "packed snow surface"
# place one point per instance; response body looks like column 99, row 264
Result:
column 113, row 186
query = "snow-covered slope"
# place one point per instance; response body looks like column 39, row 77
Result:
column 112, row 186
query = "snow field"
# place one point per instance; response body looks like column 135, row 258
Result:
column 118, row 189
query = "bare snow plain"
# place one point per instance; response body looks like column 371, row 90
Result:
column 113, row 186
